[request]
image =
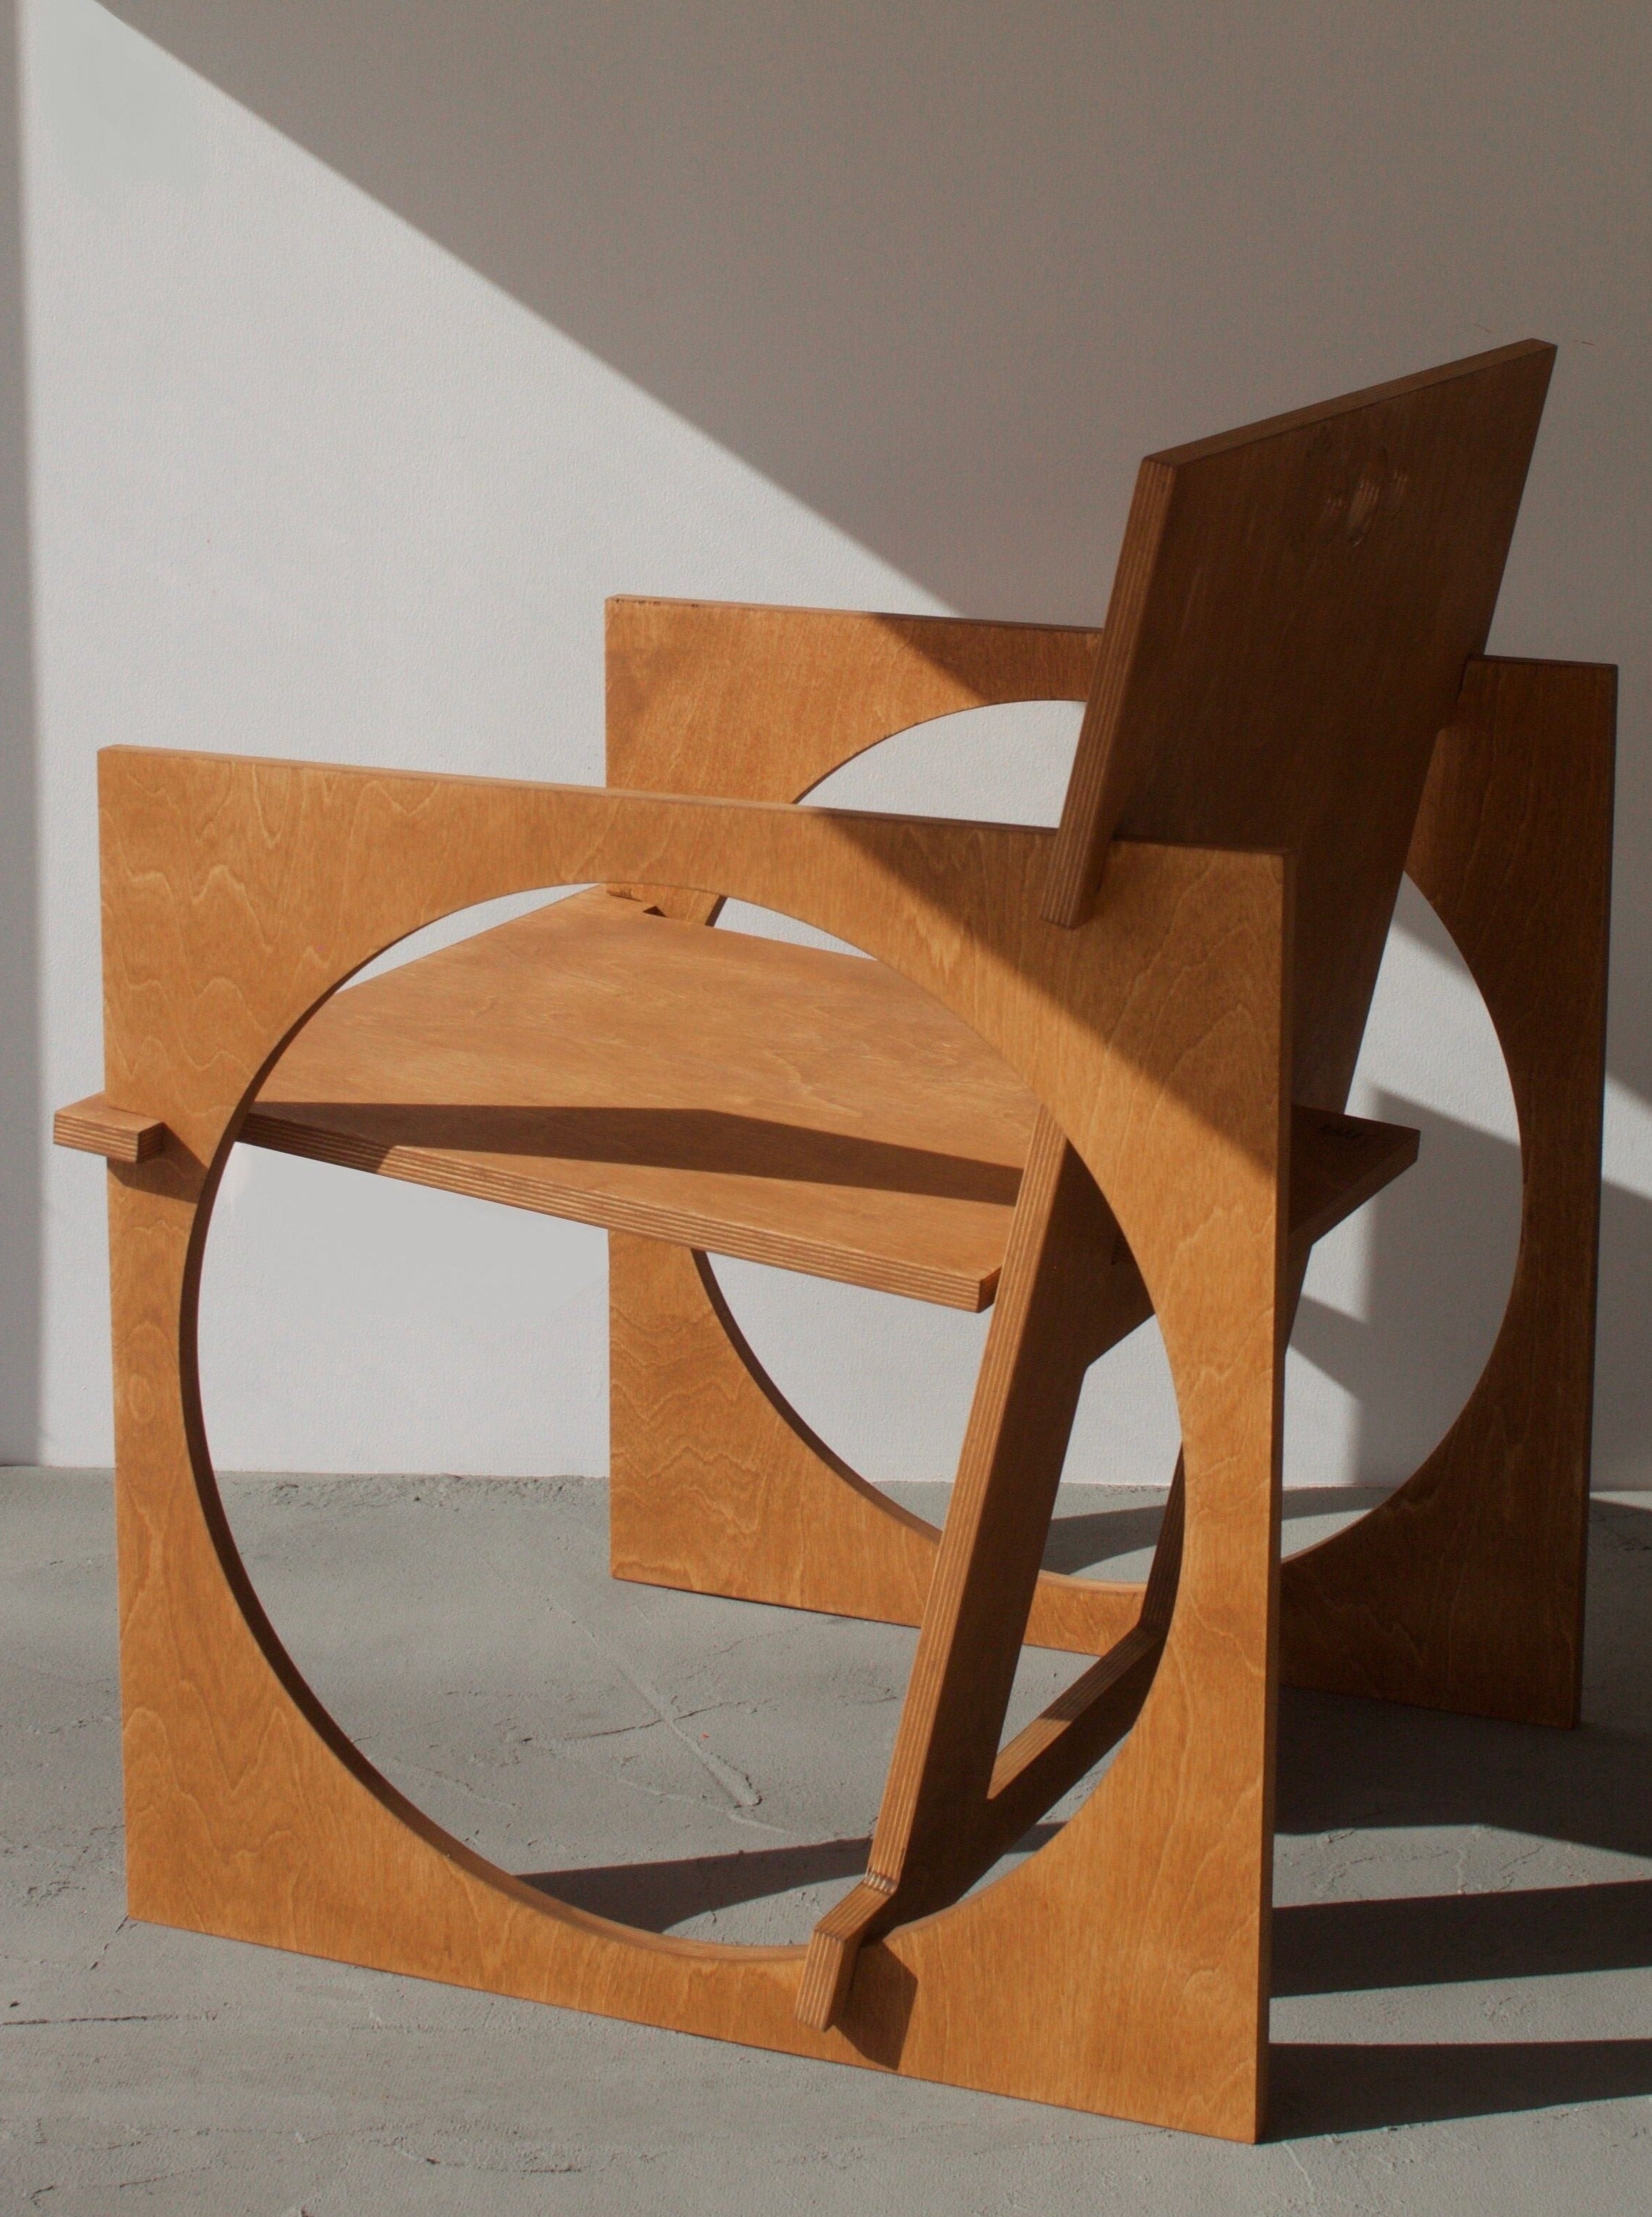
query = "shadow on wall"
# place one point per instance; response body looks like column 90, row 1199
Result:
column 1429, row 1321
column 1428, row 1318
column 1623, row 1397
column 944, row 275
column 20, row 970
column 943, row 278
column 879, row 279
column 920, row 265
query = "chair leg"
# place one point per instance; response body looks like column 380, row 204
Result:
column 1465, row 1590
column 940, row 1824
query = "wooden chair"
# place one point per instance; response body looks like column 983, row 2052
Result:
column 1090, row 1075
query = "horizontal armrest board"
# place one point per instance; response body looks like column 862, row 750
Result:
column 747, row 1096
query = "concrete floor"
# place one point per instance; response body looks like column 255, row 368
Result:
column 1463, row 2013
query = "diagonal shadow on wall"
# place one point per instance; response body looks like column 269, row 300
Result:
column 924, row 294
column 852, row 267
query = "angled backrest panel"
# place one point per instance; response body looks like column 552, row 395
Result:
column 1293, row 610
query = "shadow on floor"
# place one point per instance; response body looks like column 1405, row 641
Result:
column 1346, row 1765
column 1103, row 1536
column 1078, row 1543
column 1354, row 1765
column 1337, row 1946
column 655, row 1897
column 1318, row 2088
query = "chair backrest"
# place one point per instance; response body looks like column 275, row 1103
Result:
column 1294, row 607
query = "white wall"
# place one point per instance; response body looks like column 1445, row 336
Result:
column 21, row 981
column 370, row 345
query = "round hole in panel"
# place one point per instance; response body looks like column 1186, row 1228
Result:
column 1401, row 1304
column 1403, row 1301
column 402, row 1390
column 886, row 1382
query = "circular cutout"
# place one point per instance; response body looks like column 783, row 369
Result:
column 532, row 1723
column 1402, row 1303
column 887, row 1382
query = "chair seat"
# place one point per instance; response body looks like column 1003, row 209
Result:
column 747, row 1096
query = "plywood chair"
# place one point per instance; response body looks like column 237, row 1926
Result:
column 1089, row 1076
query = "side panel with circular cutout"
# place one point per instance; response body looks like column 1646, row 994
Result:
column 1465, row 1590
column 237, row 896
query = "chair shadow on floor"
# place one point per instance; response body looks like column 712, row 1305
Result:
column 1320, row 2089
column 1351, row 1765
column 655, row 1897
column 1347, row 1764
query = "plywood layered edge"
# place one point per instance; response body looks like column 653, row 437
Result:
column 96, row 1126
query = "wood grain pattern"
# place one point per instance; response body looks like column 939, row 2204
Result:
column 95, row 1126
column 1268, row 679
column 761, row 703
column 1151, row 1051
column 721, row 1091
column 1302, row 691
column 237, row 895
column 1513, row 840
column 927, row 1844
column 1465, row 1591
column 1078, row 1727
column 717, row 1484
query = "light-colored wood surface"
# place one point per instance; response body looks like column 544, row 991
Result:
column 762, row 703
column 1078, row 1727
column 93, row 1127
column 1266, row 613
column 757, row 1098
column 735, row 1094
column 1304, row 703
column 717, row 1485
column 238, row 894
column 1293, row 609
column 1465, row 1591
